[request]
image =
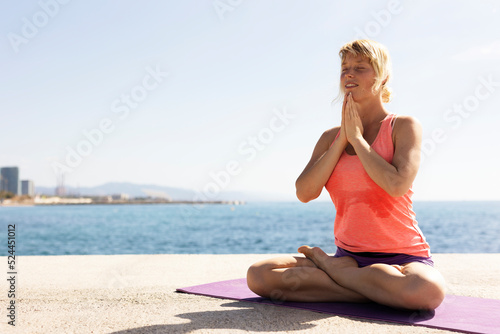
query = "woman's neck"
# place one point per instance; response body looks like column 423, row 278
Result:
column 371, row 111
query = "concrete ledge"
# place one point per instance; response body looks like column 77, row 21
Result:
column 136, row 294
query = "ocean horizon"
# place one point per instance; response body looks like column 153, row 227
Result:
column 255, row 227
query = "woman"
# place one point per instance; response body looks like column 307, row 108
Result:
column 368, row 165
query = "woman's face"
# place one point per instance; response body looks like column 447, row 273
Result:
column 357, row 77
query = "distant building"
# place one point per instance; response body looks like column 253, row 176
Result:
column 28, row 188
column 60, row 189
column 9, row 180
column 120, row 197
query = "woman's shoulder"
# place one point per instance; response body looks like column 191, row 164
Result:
column 406, row 125
column 402, row 122
column 329, row 136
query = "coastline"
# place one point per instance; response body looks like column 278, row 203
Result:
column 132, row 202
column 136, row 294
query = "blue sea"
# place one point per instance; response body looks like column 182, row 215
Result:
column 450, row 227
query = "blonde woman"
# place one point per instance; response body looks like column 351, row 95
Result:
column 368, row 165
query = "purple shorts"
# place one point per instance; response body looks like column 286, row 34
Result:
column 366, row 259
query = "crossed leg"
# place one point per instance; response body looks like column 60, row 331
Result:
column 320, row 277
column 296, row 279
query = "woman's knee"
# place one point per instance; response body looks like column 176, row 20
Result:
column 267, row 277
column 276, row 276
column 425, row 294
column 256, row 278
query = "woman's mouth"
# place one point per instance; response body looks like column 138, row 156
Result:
column 350, row 85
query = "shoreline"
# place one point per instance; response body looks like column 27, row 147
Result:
column 10, row 204
column 136, row 294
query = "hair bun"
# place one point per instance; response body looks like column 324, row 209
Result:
column 386, row 94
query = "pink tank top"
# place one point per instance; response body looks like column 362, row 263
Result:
column 368, row 219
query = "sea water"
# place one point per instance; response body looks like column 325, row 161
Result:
column 272, row 227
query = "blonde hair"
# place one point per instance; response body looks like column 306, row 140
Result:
column 378, row 56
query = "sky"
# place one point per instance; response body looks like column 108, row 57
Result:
column 231, row 95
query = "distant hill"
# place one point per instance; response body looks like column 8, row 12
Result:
column 176, row 194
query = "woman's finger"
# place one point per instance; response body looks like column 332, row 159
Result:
column 349, row 106
column 344, row 108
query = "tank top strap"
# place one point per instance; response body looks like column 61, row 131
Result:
column 387, row 126
column 383, row 144
column 393, row 120
column 389, row 120
column 338, row 134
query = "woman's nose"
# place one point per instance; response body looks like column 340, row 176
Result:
column 348, row 73
column 348, row 76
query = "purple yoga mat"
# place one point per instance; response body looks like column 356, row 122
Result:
column 465, row 314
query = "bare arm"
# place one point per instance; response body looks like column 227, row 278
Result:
column 396, row 178
column 325, row 156
column 311, row 181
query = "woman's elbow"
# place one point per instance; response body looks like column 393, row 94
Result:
column 302, row 198
column 306, row 196
column 306, row 191
column 398, row 190
column 396, row 193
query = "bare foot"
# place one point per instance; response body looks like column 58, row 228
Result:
column 315, row 254
column 329, row 264
column 320, row 258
